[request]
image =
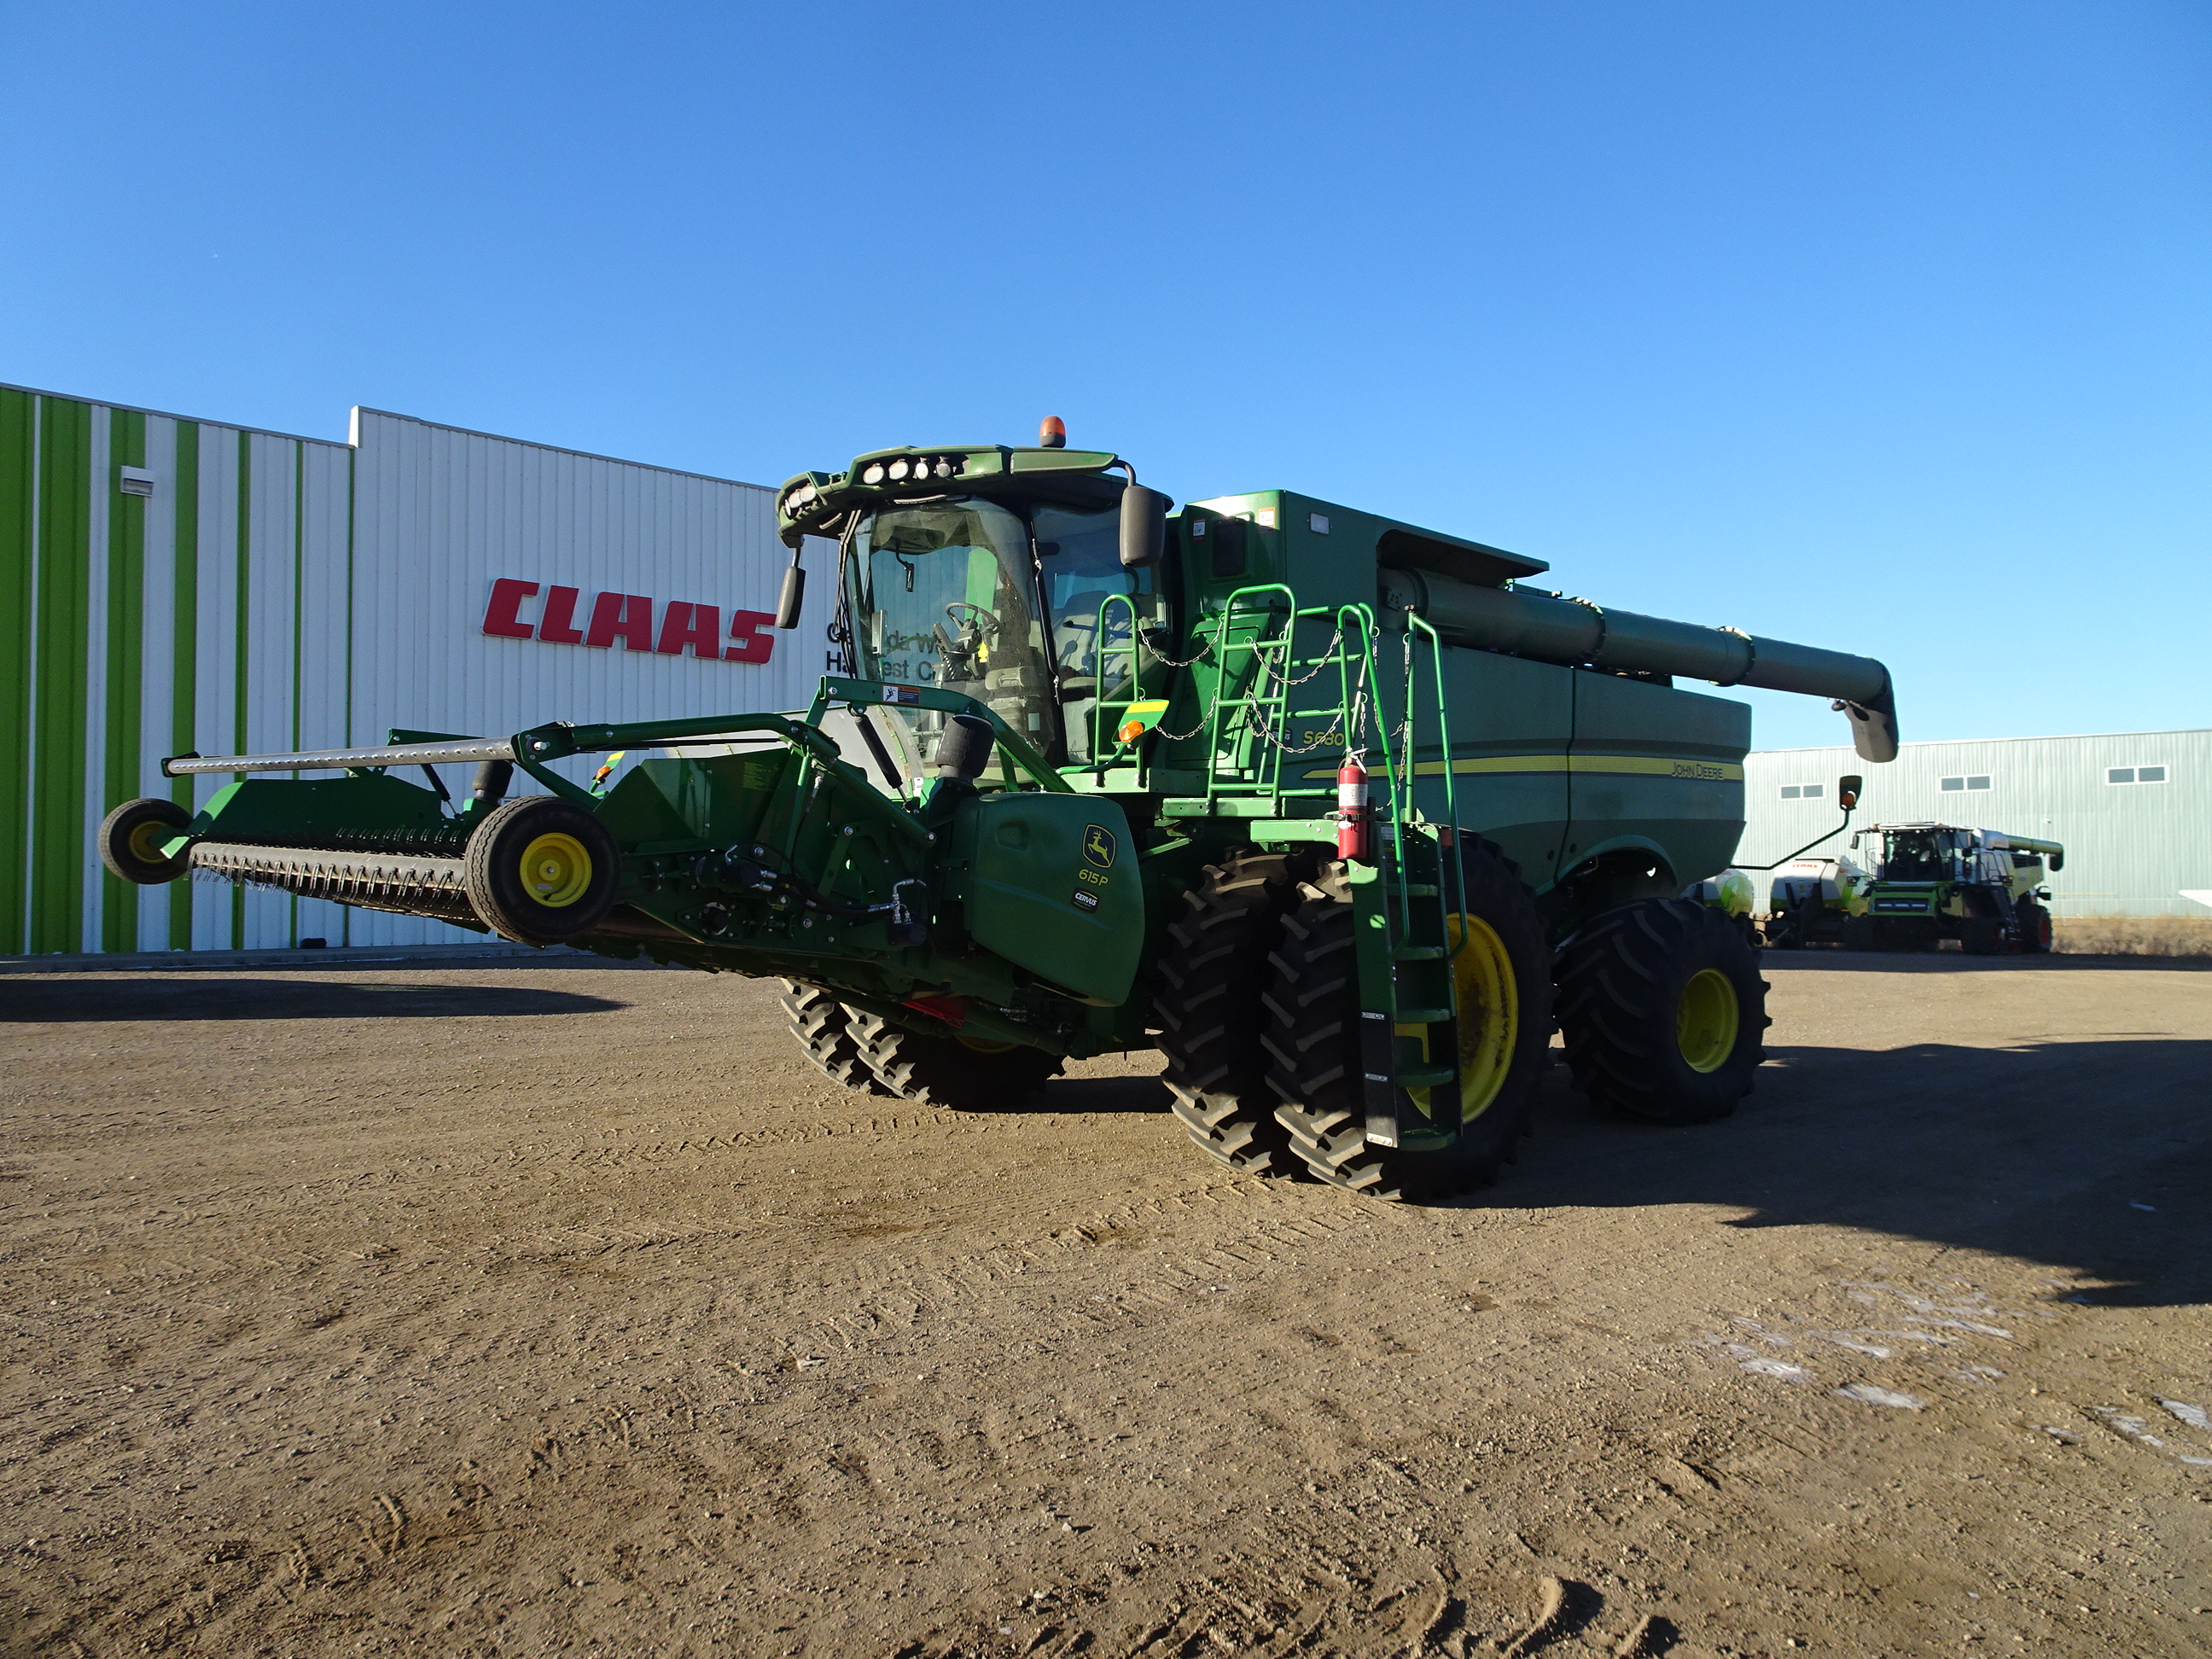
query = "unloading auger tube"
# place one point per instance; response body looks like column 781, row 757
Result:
column 1549, row 628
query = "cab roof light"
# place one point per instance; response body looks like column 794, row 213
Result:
column 1052, row 433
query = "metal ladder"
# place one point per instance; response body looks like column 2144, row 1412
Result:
column 1409, row 1018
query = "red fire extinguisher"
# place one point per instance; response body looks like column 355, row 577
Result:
column 1355, row 822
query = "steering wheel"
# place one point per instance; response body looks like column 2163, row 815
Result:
column 987, row 620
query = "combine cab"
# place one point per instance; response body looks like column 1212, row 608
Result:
column 1936, row 881
column 1343, row 813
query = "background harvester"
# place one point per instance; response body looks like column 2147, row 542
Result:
column 1938, row 881
column 1344, row 813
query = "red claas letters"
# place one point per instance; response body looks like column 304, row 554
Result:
column 628, row 618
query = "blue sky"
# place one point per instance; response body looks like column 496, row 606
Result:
column 1882, row 326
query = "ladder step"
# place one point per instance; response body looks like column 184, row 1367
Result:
column 1426, row 1076
column 1420, row 890
column 1423, row 1016
column 1418, row 953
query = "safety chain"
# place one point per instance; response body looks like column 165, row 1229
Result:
column 1154, row 653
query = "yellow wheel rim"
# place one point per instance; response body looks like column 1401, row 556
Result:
column 981, row 1046
column 1488, row 1000
column 1705, row 1020
column 555, row 870
column 145, row 842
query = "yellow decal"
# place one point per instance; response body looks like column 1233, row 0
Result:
column 1098, row 846
column 1694, row 771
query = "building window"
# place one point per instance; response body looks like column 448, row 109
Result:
column 1802, row 790
column 2135, row 775
column 1979, row 780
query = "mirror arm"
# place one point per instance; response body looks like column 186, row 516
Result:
column 1807, row 847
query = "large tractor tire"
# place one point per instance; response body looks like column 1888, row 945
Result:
column 823, row 1028
column 1214, row 972
column 131, row 840
column 1662, row 1011
column 1981, row 936
column 541, row 870
column 1862, row 933
column 2035, row 932
column 1503, row 981
column 965, row 1072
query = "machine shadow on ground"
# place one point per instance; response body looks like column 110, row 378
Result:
column 1088, row 1096
column 45, row 1001
column 2091, row 1156
column 1818, row 959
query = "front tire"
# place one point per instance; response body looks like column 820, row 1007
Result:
column 1212, row 976
column 2035, row 929
column 1504, row 995
column 1662, row 1011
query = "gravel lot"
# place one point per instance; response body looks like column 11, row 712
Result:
column 535, row 1306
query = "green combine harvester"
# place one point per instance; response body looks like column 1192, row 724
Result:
column 1343, row 814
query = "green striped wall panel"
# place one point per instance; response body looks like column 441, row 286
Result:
column 133, row 626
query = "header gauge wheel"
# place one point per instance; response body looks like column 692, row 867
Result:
column 131, row 840
column 540, row 870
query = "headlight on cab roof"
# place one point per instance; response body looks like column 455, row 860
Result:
column 917, row 469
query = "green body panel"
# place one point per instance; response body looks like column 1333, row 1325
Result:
column 662, row 805
column 1051, row 883
column 369, row 810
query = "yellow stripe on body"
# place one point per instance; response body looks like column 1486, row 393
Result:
column 1665, row 766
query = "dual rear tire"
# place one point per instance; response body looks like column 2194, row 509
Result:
column 1259, row 1005
column 1502, row 984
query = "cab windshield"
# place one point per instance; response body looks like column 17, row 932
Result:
column 1917, row 855
column 968, row 596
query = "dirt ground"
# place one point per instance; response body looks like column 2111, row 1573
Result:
column 535, row 1306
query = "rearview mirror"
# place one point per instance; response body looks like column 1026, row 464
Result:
column 792, row 598
column 1144, row 525
column 1847, row 789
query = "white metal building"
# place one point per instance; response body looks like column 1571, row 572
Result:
column 2133, row 809
column 170, row 585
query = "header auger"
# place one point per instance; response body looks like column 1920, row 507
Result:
column 1342, row 813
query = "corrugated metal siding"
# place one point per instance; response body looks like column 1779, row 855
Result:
column 440, row 513
column 2131, row 850
column 148, row 624
column 277, row 592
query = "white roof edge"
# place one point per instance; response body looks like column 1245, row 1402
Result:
column 170, row 414
column 2060, row 736
column 360, row 409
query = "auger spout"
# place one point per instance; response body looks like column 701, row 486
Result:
column 1576, row 632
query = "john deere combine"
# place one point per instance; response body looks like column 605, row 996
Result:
column 1342, row 813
